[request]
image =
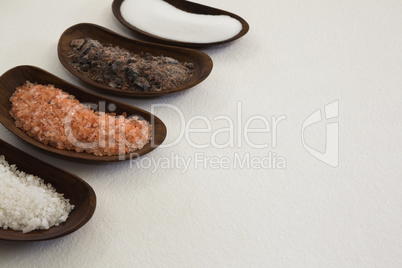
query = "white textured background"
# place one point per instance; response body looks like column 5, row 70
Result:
column 297, row 57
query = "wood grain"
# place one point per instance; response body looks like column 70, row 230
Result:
column 15, row 77
column 202, row 62
column 188, row 7
column 80, row 193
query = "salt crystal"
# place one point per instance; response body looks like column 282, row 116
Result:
column 69, row 132
column 25, row 200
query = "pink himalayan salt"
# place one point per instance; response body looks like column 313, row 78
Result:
column 55, row 118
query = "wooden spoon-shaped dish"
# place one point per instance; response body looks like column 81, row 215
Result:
column 17, row 76
column 80, row 193
column 202, row 62
column 187, row 6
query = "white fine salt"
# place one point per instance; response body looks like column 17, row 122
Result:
column 162, row 19
column 27, row 203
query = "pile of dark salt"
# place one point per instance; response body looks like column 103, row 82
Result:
column 122, row 69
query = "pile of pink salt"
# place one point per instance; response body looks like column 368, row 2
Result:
column 55, row 118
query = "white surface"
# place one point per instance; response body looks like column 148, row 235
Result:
column 298, row 57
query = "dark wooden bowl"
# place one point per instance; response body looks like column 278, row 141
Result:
column 188, row 7
column 17, row 76
column 202, row 62
column 80, row 193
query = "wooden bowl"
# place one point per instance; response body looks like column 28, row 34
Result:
column 188, row 7
column 17, row 76
column 80, row 193
column 202, row 62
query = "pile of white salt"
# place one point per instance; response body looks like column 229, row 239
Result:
column 162, row 19
column 27, row 203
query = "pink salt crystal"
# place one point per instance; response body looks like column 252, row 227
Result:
column 45, row 110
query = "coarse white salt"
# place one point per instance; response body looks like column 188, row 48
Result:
column 162, row 19
column 27, row 203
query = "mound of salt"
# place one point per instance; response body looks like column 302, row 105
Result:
column 160, row 18
column 27, row 203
